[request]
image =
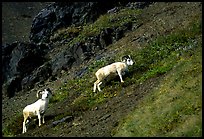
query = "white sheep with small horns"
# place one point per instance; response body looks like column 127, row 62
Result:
column 117, row 67
column 37, row 109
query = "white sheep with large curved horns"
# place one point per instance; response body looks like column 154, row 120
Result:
column 37, row 109
column 117, row 67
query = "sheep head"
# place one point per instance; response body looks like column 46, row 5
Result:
column 127, row 59
column 45, row 93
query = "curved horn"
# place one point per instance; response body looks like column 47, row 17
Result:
column 124, row 58
column 38, row 92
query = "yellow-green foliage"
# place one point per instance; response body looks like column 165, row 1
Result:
column 64, row 33
column 159, row 57
column 110, row 21
column 172, row 109
column 12, row 127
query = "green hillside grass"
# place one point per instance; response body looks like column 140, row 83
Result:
column 105, row 21
column 168, row 110
column 175, row 107
column 172, row 109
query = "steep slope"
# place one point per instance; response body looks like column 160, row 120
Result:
column 23, row 68
column 17, row 18
column 169, row 37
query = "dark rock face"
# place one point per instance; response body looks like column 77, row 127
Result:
column 62, row 61
column 19, row 60
column 24, row 64
column 63, row 14
column 23, row 58
column 12, row 85
column 38, row 75
column 6, row 56
column 77, row 53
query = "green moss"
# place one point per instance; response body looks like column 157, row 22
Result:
column 174, row 108
column 178, row 55
column 65, row 33
column 112, row 20
column 11, row 129
column 157, row 58
column 80, row 34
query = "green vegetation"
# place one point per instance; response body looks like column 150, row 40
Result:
column 161, row 55
column 111, row 20
column 11, row 128
column 177, row 54
column 175, row 107
column 65, row 33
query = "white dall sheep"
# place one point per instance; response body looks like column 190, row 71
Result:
column 117, row 67
column 37, row 109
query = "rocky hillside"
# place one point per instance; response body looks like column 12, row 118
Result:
column 24, row 63
column 70, row 41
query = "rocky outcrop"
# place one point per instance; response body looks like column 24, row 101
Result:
column 37, row 77
column 25, row 65
column 77, row 53
column 138, row 5
column 12, row 85
column 63, row 14
column 27, row 60
column 18, row 60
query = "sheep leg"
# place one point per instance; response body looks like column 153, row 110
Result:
column 94, row 90
column 24, row 127
column 39, row 117
column 99, row 89
column 120, row 75
column 97, row 83
column 24, row 122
